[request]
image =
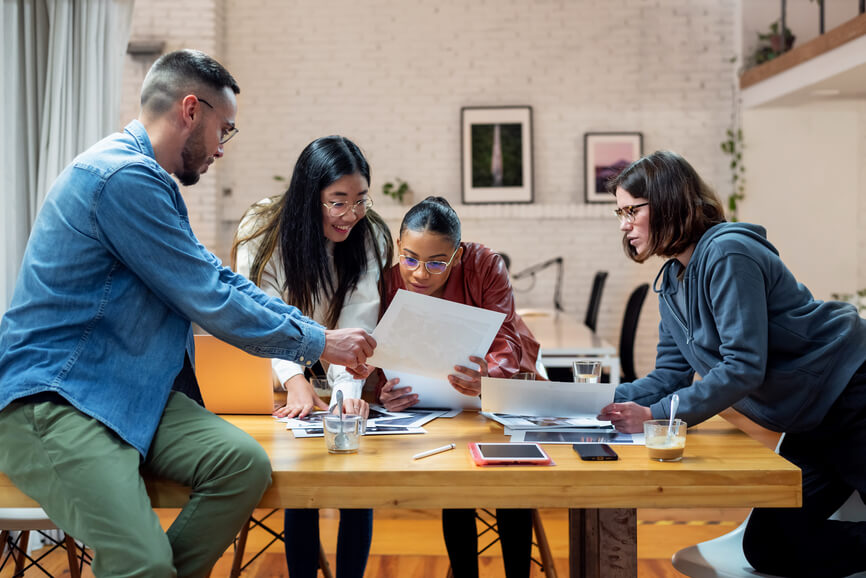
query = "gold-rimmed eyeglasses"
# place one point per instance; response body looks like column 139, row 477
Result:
column 628, row 213
column 433, row 267
column 340, row 208
column 227, row 133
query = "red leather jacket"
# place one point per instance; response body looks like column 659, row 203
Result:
column 480, row 279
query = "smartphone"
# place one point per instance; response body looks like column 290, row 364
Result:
column 595, row 452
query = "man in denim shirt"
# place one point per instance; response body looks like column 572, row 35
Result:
column 98, row 333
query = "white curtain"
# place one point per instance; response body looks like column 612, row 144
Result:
column 62, row 66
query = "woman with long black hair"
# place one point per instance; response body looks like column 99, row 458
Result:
column 319, row 247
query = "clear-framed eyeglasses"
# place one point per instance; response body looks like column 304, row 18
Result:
column 340, row 208
column 628, row 213
column 433, row 267
column 227, row 133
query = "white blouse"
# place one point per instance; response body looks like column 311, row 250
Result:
column 360, row 308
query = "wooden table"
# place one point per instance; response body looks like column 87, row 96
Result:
column 722, row 468
column 564, row 339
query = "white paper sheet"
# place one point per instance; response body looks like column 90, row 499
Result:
column 428, row 336
column 517, row 422
column 310, row 432
column 433, row 392
column 575, row 436
column 545, row 398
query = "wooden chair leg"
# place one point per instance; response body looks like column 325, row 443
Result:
column 324, row 565
column 72, row 556
column 543, row 546
column 21, row 558
column 241, row 545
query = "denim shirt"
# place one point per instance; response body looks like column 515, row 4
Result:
column 111, row 279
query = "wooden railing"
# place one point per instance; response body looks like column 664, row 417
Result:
column 846, row 32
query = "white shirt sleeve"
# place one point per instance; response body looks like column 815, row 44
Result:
column 361, row 309
column 272, row 281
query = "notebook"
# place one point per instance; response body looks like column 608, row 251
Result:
column 232, row 381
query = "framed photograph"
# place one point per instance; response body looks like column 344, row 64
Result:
column 606, row 154
column 497, row 154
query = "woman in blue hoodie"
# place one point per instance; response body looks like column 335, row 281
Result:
column 733, row 313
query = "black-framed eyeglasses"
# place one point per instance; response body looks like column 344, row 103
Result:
column 628, row 213
column 433, row 267
column 340, row 208
column 227, row 133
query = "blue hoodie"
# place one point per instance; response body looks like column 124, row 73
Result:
column 758, row 338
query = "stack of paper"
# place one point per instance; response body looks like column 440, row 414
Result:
column 379, row 422
column 551, row 412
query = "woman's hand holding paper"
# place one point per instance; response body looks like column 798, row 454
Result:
column 468, row 381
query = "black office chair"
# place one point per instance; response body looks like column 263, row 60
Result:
column 595, row 299
column 629, row 331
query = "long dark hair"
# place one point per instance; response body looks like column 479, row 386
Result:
column 293, row 222
column 433, row 214
column 682, row 206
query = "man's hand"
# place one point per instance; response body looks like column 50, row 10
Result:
column 468, row 381
column 301, row 398
column 349, row 347
column 627, row 417
column 397, row 399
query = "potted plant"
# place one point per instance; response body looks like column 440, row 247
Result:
column 397, row 190
column 771, row 44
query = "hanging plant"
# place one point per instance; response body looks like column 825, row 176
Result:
column 733, row 147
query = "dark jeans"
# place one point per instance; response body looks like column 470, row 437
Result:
column 353, row 542
column 802, row 541
column 461, row 541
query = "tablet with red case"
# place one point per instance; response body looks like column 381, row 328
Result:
column 490, row 454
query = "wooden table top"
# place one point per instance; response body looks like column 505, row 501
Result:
column 722, row 467
column 561, row 334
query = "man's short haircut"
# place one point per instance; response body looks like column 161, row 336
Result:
column 182, row 72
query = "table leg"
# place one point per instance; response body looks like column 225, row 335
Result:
column 602, row 543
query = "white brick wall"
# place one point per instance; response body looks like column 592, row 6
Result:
column 861, row 228
column 393, row 76
column 195, row 24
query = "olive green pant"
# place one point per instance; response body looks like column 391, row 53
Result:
column 89, row 483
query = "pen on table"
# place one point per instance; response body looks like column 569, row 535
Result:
column 433, row 451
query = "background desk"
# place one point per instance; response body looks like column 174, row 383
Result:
column 722, row 468
column 564, row 339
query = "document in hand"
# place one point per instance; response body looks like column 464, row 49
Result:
column 426, row 337
column 545, row 398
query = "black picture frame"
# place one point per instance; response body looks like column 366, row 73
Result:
column 496, row 160
column 605, row 155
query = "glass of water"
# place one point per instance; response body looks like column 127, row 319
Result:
column 586, row 370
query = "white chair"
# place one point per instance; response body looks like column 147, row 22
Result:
column 24, row 521
column 723, row 557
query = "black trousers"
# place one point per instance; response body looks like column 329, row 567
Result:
column 802, row 541
column 461, row 541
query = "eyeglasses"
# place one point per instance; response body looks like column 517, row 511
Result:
column 433, row 267
column 628, row 213
column 340, row 208
column 228, row 133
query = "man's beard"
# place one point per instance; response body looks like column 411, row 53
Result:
column 194, row 157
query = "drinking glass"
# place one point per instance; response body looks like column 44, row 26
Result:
column 322, row 387
column 586, row 370
column 345, row 439
column 665, row 442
